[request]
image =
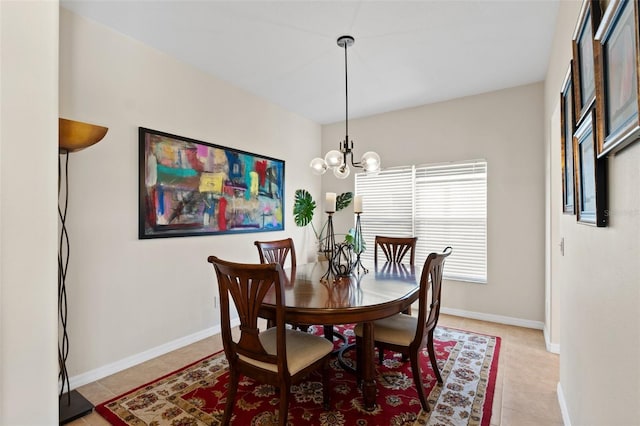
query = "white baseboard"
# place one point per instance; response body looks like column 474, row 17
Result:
column 123, row 364
column 551, row 347
column 538, row 325
column 563, row 406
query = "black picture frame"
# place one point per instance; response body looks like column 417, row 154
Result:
column 189, row 187
column 584, row 79
column 567, row 128
column 617, row 52
column 591, row 175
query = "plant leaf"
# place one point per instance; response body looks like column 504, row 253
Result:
column 303, row 207
column 343, row 200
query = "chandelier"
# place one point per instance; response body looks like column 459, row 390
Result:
column 337, row 160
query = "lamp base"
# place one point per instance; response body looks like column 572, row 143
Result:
column 78, row 407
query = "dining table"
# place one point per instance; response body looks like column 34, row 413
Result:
column 315, row 296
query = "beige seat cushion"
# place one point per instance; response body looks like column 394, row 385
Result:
column 399, row 329
column 303, row 349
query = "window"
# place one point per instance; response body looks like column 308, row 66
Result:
column 441, row 204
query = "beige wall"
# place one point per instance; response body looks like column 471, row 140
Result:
column 131, row 298
column 505, row 128
column 28, row 164
column 598, row 278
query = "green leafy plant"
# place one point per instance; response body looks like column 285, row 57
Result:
column 358, row 244
column 304, row 207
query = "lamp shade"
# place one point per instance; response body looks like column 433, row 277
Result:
column 76, row 135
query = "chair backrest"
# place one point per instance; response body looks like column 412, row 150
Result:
column 248, row 284
column 431, row 279
column 395, row 248
column 277, row 251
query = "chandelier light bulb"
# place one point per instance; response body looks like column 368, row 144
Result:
column 342, row 172
column 371, row 161
column 333, row 158
column 318, row 166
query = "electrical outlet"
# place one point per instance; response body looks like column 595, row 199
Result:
column 562, row 246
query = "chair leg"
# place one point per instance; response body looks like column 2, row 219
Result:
column 359, row 359
column 231, row 396
column 432, row 357
column 284, row 404
column 380, row 355
column 417, row 380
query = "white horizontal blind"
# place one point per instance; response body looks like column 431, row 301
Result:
column 451, row 210
column 387, row 205
column 442, row 204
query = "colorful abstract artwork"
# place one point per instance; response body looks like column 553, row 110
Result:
column 189, row 187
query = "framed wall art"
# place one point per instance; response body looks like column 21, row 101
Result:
column 617, row 87
column 591, row 175
column 188, row 187
column 567, row 125
column 584, row 81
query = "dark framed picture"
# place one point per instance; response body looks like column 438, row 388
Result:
column 567, row 125
column 584, row 79
column 591, row 175
column 617, row 54
column 189, row 187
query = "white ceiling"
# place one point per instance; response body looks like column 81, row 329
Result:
column 406, row 53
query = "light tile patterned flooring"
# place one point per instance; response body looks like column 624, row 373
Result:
column 525, row 390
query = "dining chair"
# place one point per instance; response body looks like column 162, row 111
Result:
column 395, row 248
column 277, row 251
column 407, row 334
column 278, row 356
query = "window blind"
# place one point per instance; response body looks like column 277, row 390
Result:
column 451, row 210
column 388, row 201
column 442, row 204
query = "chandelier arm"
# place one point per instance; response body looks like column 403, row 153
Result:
column 355, row 163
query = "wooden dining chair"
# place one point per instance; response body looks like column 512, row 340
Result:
column 395, row 248
column 407, row 334
column 277, row 251
column 278, row 356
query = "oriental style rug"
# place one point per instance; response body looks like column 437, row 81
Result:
column 195, row 394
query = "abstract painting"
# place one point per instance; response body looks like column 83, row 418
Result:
column 189, row 187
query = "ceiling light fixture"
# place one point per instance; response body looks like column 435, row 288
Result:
column 337, row 160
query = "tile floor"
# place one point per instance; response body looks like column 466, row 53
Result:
column 525, row 390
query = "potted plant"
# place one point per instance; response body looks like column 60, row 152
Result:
column 304, row 207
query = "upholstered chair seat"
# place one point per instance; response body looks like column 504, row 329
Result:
column 399, row 329
column 303, row 349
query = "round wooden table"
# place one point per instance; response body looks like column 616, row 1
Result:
column 311, row 299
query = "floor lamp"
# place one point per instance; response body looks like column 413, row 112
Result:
column 72, row 136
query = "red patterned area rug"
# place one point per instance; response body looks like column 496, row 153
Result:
column 195, row 394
